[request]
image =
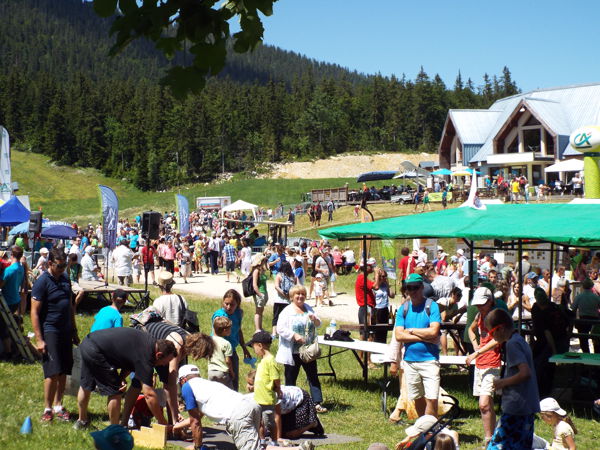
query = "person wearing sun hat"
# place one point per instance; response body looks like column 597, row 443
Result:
column 418, row 327
column 564, row 429
column 170, row 306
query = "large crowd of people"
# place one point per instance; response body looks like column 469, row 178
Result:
column 437, row 292
column 431, row 292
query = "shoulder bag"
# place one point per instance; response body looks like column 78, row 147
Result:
column 309, row 352
column 248, row 285
column 190, row 318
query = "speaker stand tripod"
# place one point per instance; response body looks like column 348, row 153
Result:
column 14, row 331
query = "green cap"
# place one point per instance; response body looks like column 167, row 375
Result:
column 414, row 278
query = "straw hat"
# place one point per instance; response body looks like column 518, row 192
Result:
column 165, row 279
column 257, row 260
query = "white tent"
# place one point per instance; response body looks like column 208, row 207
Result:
column 568, row 165
column 240, row 205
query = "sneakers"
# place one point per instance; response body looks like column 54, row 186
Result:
column 47, row 416
column 320, row 409
column 80, row 425
column 63, row 415
column 307, row 445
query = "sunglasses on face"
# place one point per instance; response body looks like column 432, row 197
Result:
column 412, row 288
column 60, row 266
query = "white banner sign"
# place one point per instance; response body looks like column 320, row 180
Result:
column 5, row 172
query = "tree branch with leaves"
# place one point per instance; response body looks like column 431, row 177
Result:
column 197, row 26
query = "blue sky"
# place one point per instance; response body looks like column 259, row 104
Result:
column 545, row 43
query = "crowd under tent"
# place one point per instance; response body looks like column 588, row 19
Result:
column 240, row 205
column 509, row 226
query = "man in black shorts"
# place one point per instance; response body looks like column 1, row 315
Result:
column 103, row 352
column 53, row 322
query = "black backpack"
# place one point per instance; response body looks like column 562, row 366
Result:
column 248, row 286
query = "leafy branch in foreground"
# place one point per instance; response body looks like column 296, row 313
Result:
column 171, row 24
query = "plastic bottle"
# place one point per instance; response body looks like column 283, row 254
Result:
column 331, row 328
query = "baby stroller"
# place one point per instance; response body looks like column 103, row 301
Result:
column 426, row 440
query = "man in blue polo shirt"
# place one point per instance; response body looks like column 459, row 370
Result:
column 53, row 322
column 11, row 283
column 418, row 327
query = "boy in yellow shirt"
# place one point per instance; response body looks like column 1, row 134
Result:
column 267, row 385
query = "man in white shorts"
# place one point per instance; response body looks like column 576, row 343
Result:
column 487, row 360
column 418, row 327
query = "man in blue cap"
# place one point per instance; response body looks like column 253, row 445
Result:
column 418, row 324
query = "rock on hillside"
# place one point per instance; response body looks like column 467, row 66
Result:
column 346, row 166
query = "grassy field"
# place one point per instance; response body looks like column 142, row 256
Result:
column 71, row 193
column 354, row 409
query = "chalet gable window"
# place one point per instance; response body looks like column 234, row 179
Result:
column 526, row 135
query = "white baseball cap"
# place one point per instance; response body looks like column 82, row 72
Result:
column 186, row 370
column 481, row 296
column 551, row 405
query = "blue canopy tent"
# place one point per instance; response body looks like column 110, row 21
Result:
column 58, row 230
column 50, row 229
column 373, row 176
column 442, row 172
column 13, row 212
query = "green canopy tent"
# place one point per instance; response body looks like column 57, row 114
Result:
column 563, row 224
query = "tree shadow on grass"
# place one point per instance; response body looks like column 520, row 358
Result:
column 374, row 386
column 337, row 406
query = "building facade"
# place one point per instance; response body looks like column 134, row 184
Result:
column 521, row 134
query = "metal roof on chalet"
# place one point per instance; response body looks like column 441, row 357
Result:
column 473, row 125
column 561, row 110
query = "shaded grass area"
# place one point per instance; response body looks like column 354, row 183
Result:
column 354, row 409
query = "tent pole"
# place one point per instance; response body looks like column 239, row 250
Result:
column 551, row 268
column 366, row 306
column 106, row 266
column 521, row 280
column 471, row 245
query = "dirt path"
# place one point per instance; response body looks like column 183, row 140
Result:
column 347, row 166
column 344, row 310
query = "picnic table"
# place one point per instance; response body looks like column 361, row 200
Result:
column 377, row 349
column 455, row 331
column 137, row 297
column 586, row 359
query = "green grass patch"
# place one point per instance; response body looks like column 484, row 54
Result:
column 71, row 193
column 354, row 409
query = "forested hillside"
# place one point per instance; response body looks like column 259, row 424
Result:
column 60, row 95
